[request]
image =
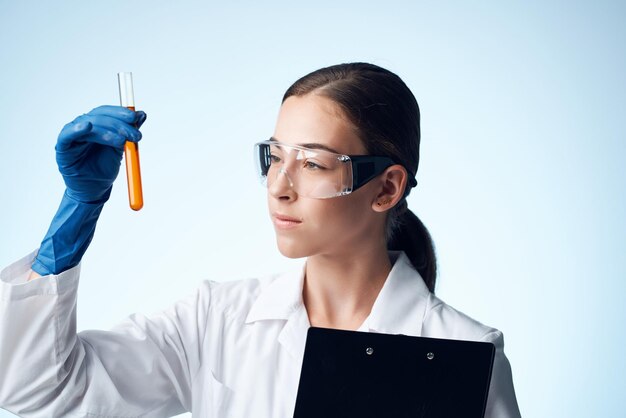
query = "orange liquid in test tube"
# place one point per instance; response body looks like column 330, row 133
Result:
column 131, row 149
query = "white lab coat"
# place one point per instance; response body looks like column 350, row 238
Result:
column 232, row 349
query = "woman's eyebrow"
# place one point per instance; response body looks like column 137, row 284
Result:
column 313, row 145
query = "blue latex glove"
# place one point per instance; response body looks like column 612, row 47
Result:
column 89, row 153
column 89, row 150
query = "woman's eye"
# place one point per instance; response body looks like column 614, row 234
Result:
column 274, row 159
column 310, row 165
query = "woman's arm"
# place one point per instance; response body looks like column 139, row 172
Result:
column 89, row 154
column 142, row 367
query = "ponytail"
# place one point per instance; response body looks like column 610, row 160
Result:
column 409, row 234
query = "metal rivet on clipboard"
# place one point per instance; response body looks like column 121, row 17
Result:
column 369, row 351
column 430, row 355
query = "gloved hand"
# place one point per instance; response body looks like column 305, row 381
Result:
column 88, row 152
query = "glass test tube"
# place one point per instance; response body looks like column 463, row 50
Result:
column 131, row 149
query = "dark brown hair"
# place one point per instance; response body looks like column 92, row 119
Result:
column 387, row 119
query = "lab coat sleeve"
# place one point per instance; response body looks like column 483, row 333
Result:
column 501, row 401
column 142, row 367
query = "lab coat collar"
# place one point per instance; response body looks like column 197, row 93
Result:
column 401, row 304
column 280, row 298
column 399, row 308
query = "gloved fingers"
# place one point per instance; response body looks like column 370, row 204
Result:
column 104, row 136
column 72, row 131
column 118, row 112
column 141, row 118
column 115, row 125
column 86, row 124
column 136, row 118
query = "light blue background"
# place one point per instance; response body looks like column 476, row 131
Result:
column 521, row 183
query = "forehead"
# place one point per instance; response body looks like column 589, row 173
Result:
column 316, row 119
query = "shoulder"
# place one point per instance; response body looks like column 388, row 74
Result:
column 443, row 321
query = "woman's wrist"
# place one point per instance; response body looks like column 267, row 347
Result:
column 68, row 237
column 32, row 275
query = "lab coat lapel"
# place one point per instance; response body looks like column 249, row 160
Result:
column 282, row 300
column 279, row 298
column 293, row 335
column 401, row 303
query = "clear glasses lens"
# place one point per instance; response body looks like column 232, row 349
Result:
column 309, row 172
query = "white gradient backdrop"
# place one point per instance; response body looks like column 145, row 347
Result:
column 522, row 179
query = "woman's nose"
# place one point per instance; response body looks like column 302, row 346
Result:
column 281, row 187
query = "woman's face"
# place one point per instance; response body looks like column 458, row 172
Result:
column 307, row 226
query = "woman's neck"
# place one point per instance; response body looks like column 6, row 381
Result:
column 339, row 290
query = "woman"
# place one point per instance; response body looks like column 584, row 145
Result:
column 236, row 348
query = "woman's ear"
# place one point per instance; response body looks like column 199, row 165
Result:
column 393, row 182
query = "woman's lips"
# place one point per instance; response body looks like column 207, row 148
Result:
column 284, row 221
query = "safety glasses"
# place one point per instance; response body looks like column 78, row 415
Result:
column 315, row 173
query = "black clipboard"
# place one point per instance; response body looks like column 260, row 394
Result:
column 365, row 375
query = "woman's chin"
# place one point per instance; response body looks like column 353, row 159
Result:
column 291, row 249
